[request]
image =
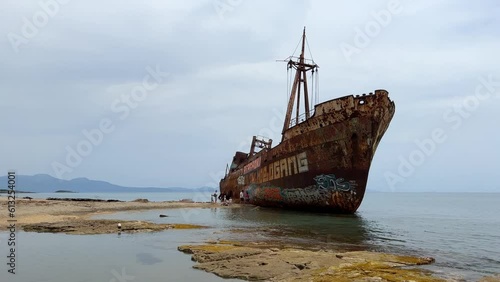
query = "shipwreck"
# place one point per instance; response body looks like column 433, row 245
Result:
column 324, row 157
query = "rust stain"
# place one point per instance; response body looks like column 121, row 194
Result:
column 324, row 157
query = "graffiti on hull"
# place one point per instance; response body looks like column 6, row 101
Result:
column 329, row 182
column 324, row 193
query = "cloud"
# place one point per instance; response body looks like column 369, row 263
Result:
column 225, row 84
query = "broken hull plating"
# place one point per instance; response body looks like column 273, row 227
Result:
column 322, row 163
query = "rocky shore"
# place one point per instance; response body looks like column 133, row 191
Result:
column 74, row 217
column 92, row 227
column 268, row 262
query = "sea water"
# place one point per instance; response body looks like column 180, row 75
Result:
column 460, row 230
column 114, row 258
column 124, row 196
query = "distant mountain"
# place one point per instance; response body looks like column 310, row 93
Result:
column 44, row 183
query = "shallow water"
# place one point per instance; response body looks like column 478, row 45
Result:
column 462, row 231
column 152, row 196
column 145, row 257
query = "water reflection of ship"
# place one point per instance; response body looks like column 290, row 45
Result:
column 346, row 231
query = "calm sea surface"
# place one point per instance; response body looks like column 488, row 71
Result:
column 462, row 231
column 152, row 196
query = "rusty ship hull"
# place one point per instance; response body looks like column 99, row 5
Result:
column 324, row 157
column 322, row 164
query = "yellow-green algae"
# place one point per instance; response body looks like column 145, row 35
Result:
column 186, row 226
column 363, row 271
column 348, row 266
column 211, row 248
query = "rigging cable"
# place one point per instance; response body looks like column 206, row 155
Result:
column 317, row 85
column 289, row 83
column 296, row 47
column 309, row 49
column 311, row 102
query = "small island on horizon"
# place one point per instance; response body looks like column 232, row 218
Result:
column 44, row 183
column 6, row 191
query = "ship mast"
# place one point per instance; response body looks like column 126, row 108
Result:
column 300, row 82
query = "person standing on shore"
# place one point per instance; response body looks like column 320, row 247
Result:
column 215, row 196
column 222, row 197
column 242, row 199
column 247, row 197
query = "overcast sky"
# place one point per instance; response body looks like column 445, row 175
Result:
column 205, row 79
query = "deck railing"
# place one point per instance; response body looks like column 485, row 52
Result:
column 300, row 119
